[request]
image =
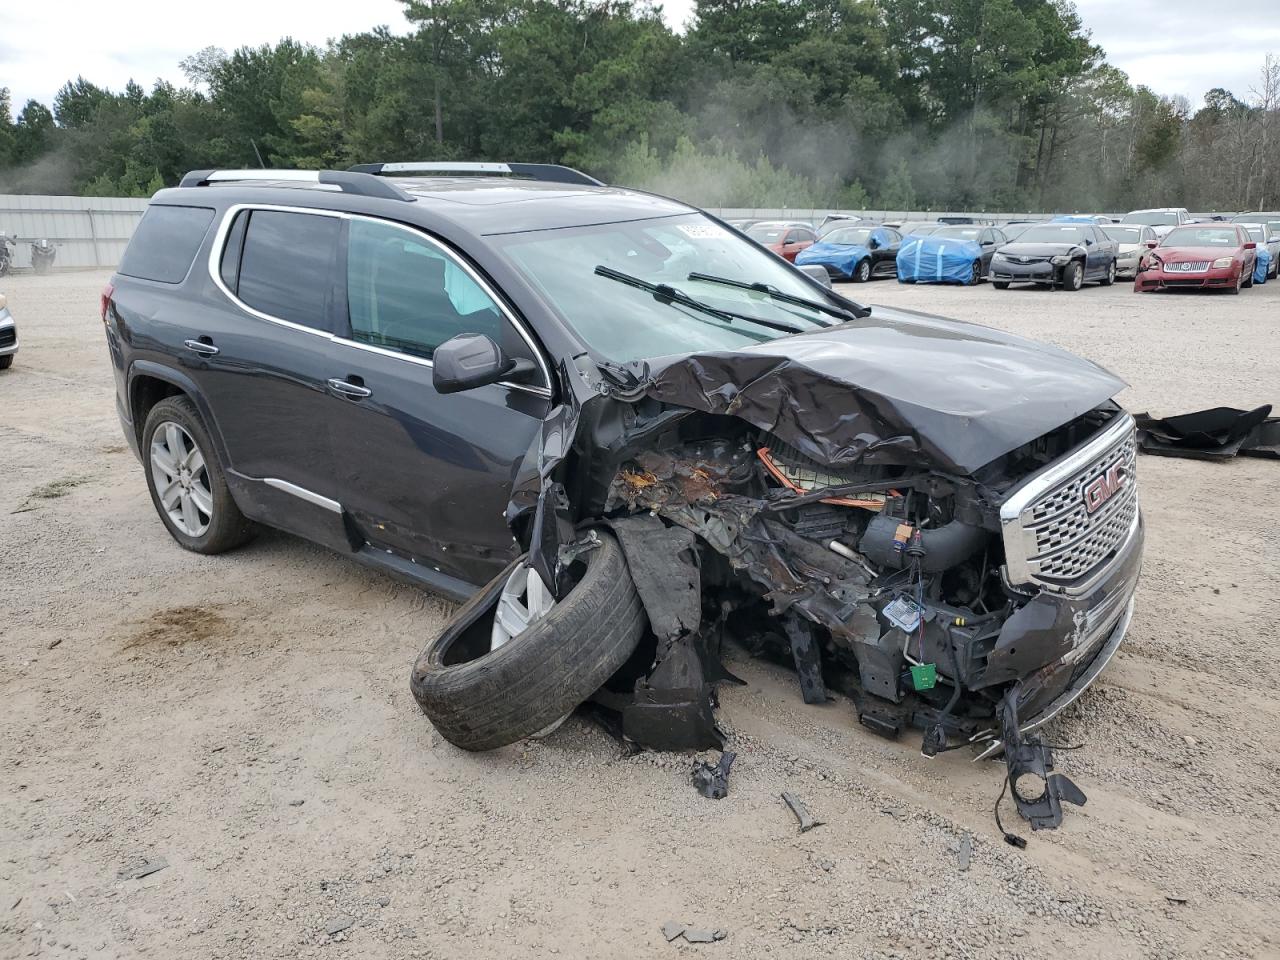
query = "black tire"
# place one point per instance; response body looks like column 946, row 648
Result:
column 1110, row 278
column 500, row 696
column 228, row 528
column 6, row 361
column 975, row 276
column 1248, row 280
column 1000, row 284
column 862, row 272
column 1073, row 276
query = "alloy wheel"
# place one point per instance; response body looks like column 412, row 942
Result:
column 181, row 479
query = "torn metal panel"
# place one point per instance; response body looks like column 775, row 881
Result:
column 895, row 388
column 1216, row 434
column 663, row 564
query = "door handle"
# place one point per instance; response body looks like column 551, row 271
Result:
column 202, row 347
column 347, row 389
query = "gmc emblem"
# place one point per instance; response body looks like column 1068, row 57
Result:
column 1101, row 489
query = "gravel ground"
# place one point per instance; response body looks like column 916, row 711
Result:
column 246, row 721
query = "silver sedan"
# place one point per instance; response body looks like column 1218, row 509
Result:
column 1133, row 239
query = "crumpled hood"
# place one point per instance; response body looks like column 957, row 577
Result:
column 841, row 255
column 897, row 387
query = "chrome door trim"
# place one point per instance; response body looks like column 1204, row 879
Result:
column 215, row 274
column 302, row 493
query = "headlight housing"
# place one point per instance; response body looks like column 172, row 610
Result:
column 1060, row 259
column 1223, row 262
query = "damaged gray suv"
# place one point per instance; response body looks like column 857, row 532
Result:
column 624, row 434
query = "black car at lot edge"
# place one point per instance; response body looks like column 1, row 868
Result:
column 621, row 432
column 1066, row 255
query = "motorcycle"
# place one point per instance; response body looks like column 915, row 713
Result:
column 43, row 253
column 6, row 253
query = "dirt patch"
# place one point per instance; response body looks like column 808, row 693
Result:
column 178, row 625
column 50, row 491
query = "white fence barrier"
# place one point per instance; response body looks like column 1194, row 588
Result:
column 89, row 231
column 93, row 231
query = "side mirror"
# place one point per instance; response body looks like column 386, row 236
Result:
column 472, row 360
column 873, row 244
column 818, row 272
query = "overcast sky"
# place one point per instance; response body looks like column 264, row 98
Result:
column 1174, row 47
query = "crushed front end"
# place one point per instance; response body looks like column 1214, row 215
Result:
column 961, row 570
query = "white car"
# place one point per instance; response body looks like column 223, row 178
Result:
column 8, row 335
column 1160, row 219
column 1133, row 239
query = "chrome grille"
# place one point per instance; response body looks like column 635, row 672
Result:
column 1187, row 266
column 1051, row 537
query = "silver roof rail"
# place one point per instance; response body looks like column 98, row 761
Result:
column 358, row 183
column 551, row 172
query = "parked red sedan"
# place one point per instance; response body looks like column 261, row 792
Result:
column 1201, row 256
column 783, row 238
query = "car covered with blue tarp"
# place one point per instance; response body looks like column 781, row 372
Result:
column 1262, row 265
column 855, row 253
column 939, row 259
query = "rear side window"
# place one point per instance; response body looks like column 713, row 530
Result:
column 288, row 266
column 165, row 243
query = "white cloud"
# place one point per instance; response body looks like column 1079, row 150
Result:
column 45, row 44
column 1183, row 47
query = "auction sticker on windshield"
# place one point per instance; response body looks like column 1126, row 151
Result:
column 701, row 231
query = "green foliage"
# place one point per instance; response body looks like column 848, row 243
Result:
column 995, row 104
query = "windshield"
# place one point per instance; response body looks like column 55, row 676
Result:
column 1202, row 237
column 623, row 323
column 849, row 236
column 921, row 229
column 1124, row 234
column 1054, row 233
column 1151, row 217
column 960, row 233
column 767, row 233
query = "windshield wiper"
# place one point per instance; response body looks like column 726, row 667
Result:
column 664, row 293
column 842, row 312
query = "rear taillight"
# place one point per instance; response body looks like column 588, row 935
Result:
column 107, row 293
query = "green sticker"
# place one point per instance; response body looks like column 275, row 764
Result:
column 924, row 676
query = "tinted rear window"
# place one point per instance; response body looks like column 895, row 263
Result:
column 288, row 266
column 165, row 243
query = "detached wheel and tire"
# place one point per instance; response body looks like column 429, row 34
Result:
column 186, row 481
column 1073, row 276
column 862, row 272
column 514, row 661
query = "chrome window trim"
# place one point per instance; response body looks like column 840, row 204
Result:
column 1036, row 486
column 215, row 274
